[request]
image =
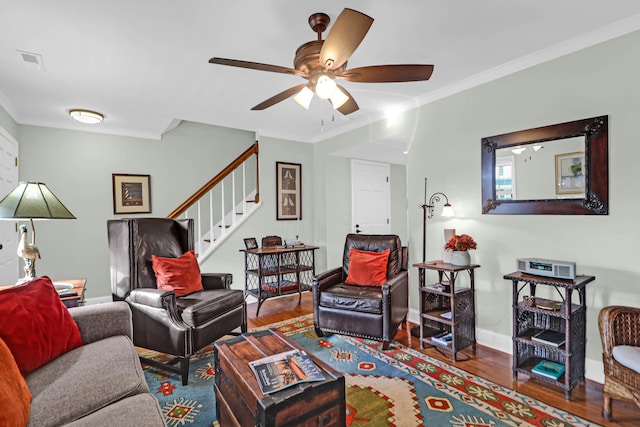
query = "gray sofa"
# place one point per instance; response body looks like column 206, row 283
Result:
column 98, row 384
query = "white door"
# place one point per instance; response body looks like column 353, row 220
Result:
column 8, row 233
column 370, row 197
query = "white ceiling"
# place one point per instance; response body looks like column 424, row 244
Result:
column 144, row 63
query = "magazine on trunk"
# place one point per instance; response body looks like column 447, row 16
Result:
column 283, row 370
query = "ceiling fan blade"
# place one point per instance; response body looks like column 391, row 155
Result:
column 255, row 66
column 279, row 97
column 350, row 106
column 388, row 73
column 344, row 37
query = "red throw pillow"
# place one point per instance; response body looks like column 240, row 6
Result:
column 181, row 275
column 15, row 397
column 367, row 268
column 35, row 324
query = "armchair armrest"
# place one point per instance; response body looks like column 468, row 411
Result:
column 151, row 297
column 328, row 278
column 101, row 321
column 216, row 280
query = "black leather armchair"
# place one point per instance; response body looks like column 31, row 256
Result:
column 163, row 322
column 373, row 312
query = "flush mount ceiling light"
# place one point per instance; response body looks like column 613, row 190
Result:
column 86, row 116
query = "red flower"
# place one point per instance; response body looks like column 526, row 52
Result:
column 461, row 242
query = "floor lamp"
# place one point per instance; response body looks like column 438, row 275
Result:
column 427, row 212
column 31, row 200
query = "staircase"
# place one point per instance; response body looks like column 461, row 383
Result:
column 224, row 203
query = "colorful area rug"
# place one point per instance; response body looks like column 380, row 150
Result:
column 397, row 387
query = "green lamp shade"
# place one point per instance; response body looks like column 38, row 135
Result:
column 33, row 200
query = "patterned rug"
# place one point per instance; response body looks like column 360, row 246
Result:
column 397, row 387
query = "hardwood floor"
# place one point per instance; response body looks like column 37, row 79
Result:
column 586, row 399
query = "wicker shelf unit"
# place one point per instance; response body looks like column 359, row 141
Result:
column 530, row 318
column 449, row 308
column 276, row 271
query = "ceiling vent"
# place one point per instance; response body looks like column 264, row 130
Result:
column 33, row 61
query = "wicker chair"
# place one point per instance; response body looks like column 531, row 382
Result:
column 619, row 326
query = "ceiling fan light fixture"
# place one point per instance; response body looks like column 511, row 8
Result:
column 86, row 116
column 338, row 98
column 325, row 87
column 304, row 97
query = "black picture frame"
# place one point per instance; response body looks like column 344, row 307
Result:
column 251, row 243
column 288, row 191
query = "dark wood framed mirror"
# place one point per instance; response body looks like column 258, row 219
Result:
column 561, row 169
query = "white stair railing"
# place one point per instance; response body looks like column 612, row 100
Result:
column 216, row 218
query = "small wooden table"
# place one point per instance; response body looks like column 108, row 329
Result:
column 78, row 288
column 240, row 402
column 68, row 299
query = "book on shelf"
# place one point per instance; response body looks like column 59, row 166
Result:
column 446, row 315
column 443, row 338
column 285, row 369
column 549, row 369
column 550, row 337
column 550, row 305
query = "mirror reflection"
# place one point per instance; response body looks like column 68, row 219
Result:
column 541, row 171
column 559, row 169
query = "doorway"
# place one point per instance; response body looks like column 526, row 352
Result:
column 8, row 233
column 370, row 197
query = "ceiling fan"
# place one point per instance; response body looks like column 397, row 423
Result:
column 321, row 62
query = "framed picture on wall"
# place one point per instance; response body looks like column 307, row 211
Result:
column 570, row 178
column 288, row 191
column 131, row 194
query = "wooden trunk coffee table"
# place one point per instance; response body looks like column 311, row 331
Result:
column 239, row 401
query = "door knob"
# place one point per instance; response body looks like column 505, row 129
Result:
column 358, row 228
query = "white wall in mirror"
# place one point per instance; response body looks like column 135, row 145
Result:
column 533, row 172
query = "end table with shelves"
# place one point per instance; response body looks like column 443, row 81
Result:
column 447, row 307
column 276, row 271
column 532, row 315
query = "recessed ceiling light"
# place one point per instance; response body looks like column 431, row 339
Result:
column 86, row 116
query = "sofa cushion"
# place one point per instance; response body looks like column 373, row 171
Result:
column 35, row 324
column 628, row 356
column 200, row 307
column 181, row 275
column 15, row 396
column 97, row 374
column 141, row 410
column 367, row 268
column 367, row 299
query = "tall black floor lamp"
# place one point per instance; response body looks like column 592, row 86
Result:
column 427, row 212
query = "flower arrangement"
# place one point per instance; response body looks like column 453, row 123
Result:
column 462, row 242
